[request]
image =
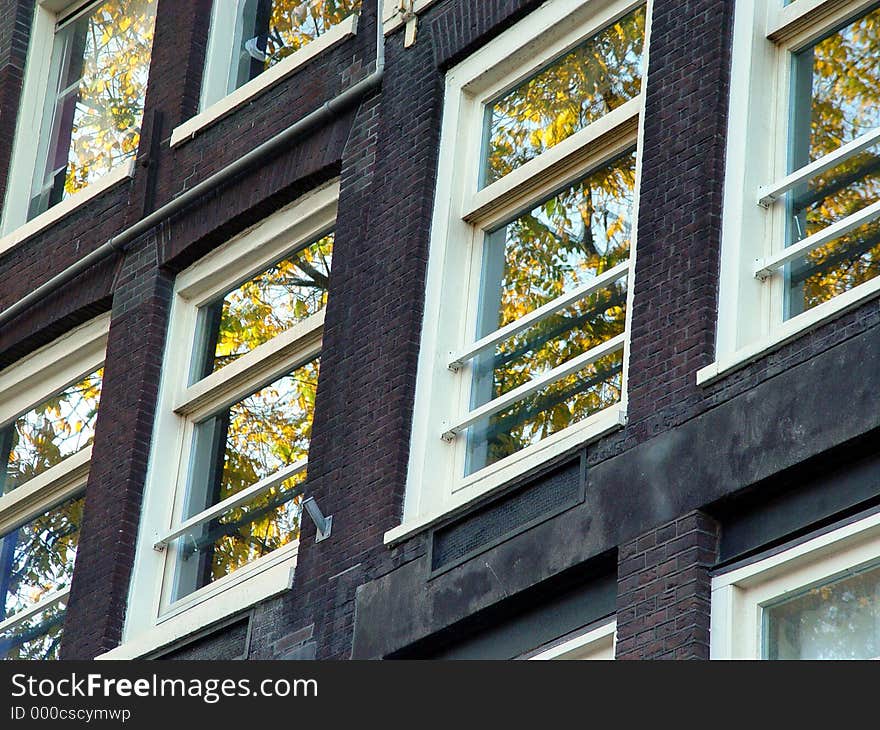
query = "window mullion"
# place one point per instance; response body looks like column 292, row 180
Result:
column 767, row 195
column 767, row 266
column 572, row 366
column 599, row 282
column 283, row 352
column 47, row 602
column 236, row 500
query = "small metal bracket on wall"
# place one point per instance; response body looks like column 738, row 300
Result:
column 407, row 11
column 323, row 525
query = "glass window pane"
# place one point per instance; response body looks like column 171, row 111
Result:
column 93, row 116
column 38, row 637
column 271, row 30
column 837, row 620
column 37, row 558
column 265, row 306
column 50, row 432
column 233, row 450
column 836, row 98
column 562, row 404
column 568, row 95
column 557, row 246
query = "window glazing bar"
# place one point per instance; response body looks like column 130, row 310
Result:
column 47, row 602
column 766, row 267
column 526, row 389
column 236, row 500
column 599, row 282
column 769, row 194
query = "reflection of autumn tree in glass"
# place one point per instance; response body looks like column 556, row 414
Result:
column 271, row 30
column 571, row 93
column 838, row 620
column 266, row 305
column 261, row 433
column 36, row 560
column 94, row 118
column 50, row 432
column 836, row 99
column 256, row 437
column 582, row 231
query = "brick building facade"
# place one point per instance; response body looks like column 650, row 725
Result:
column 663, row 535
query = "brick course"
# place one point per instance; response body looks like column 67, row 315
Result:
column 385, row 153
column 663, row 590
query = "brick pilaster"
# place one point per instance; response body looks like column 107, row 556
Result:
column 663, row 590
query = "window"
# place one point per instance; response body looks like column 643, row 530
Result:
column 819, row 599
column 251, row 36
column 85, row 89
column 257, row 43
column 524, row 346
column 48, row 410
column 801, row 239
column 593, row 645
column 221, row 515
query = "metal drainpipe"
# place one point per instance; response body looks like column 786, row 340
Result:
column 326, row 112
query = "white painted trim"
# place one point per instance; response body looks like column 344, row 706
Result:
column 53, row 367
column 786, row 22
column 764, row 268
column 27, row 128
column 597, row 644
column 436, row 485
column 609, row 347
column 44, row 491
column 244, row 256
column 152, row 619
column 482, row 484
column 751, row 311
column 767, row 195
column 739, row 594
column 67, row 206
column 264, row 363
column 599, row 282
column 789, row 330
column 393, row 17
column 273, row 580
column 47, row 602
column 246, row 93
column 592, row 146
column 236, row 500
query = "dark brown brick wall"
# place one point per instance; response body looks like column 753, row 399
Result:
column 385, row 152
column 664, row 590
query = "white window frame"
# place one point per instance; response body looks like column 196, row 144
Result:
column 152, row 620
column 216, row 103
column 740, row 594
column 597, row 644
column 14, row 226
column 24, row 385
column 751, row 291
column 463, row 213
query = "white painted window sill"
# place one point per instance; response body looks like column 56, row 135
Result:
column 253, row 88
column 789, row 331
column 248, row 586
column 487, row 482
column 66, row 206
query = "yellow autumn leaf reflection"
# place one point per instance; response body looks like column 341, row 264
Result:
column 266, row 305
column 571, row 93
column 836, row 99
column 103, row 61
column 255, row 438
column 50, row 432
column 582, row 231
